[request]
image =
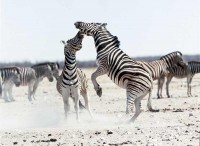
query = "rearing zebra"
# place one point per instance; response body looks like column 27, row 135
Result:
column 8, row 75
column 193, row 68
column 31, row 77
column 72, row 77
column 122, row 70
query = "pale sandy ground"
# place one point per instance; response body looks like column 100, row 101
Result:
column 42, row 122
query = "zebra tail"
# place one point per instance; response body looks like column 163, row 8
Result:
column 81, row 106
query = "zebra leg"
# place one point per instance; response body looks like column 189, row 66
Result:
column 10, row 94
column 86, row 99
column 35, row 86
column 189, row 80
column 133, row 97
column 149, row 103
column 81, row 106
column 169, row 78
column 66, row 105
column 76, row 106
column 161, row 81
column 100, row 71
column 30, row 90
column 137, row 110
column 5, row 91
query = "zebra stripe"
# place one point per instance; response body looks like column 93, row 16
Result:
column 72, row 77
column 122, row 70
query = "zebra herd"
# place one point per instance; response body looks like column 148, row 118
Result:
column 133, row 75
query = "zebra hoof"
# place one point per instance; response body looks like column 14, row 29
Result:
column 99, row 92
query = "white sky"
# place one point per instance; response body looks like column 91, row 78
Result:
column 31, row 30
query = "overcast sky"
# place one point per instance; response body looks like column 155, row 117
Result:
column 31, row 30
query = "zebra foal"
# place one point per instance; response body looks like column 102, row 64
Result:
column 122, row 70
column 8, row 76
column 72, row 78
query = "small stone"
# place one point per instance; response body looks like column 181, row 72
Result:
column 97, row 133
column 49, row 134
column 53, row 140
column 109, row 132
column 15, row 143
column 190, row 115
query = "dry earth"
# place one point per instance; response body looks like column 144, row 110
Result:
column 42, row 122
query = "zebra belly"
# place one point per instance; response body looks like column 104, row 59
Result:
column 130, row 75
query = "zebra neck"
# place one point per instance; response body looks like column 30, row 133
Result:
column 70, row 60
column 39, row 73
column 70, row 65
column 105, row 41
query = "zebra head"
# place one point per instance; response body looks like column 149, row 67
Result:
column 75, row 44
column 55, row 69
column 89, row 29
column 15, row 75
column 48, row 73
column 175, row 59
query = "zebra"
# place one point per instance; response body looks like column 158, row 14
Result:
column 193, row 68
column 8, row 75
column 31, row 76
column 72, row 77
column 122, row 70
column 160, row 68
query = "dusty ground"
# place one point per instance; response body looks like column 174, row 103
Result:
column 42, row 122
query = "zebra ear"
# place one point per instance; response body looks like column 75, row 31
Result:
column 179, row 53
column 62, row 42
column 104, row 24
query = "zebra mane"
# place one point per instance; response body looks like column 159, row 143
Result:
column 47, row 63
column 176, row 52
column 116, row 41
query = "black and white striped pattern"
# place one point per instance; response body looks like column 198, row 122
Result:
column 8, row 75
column 160, row 68
column 31, row 77
column 123, row 71
column 72, row 77
column 193, row 68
